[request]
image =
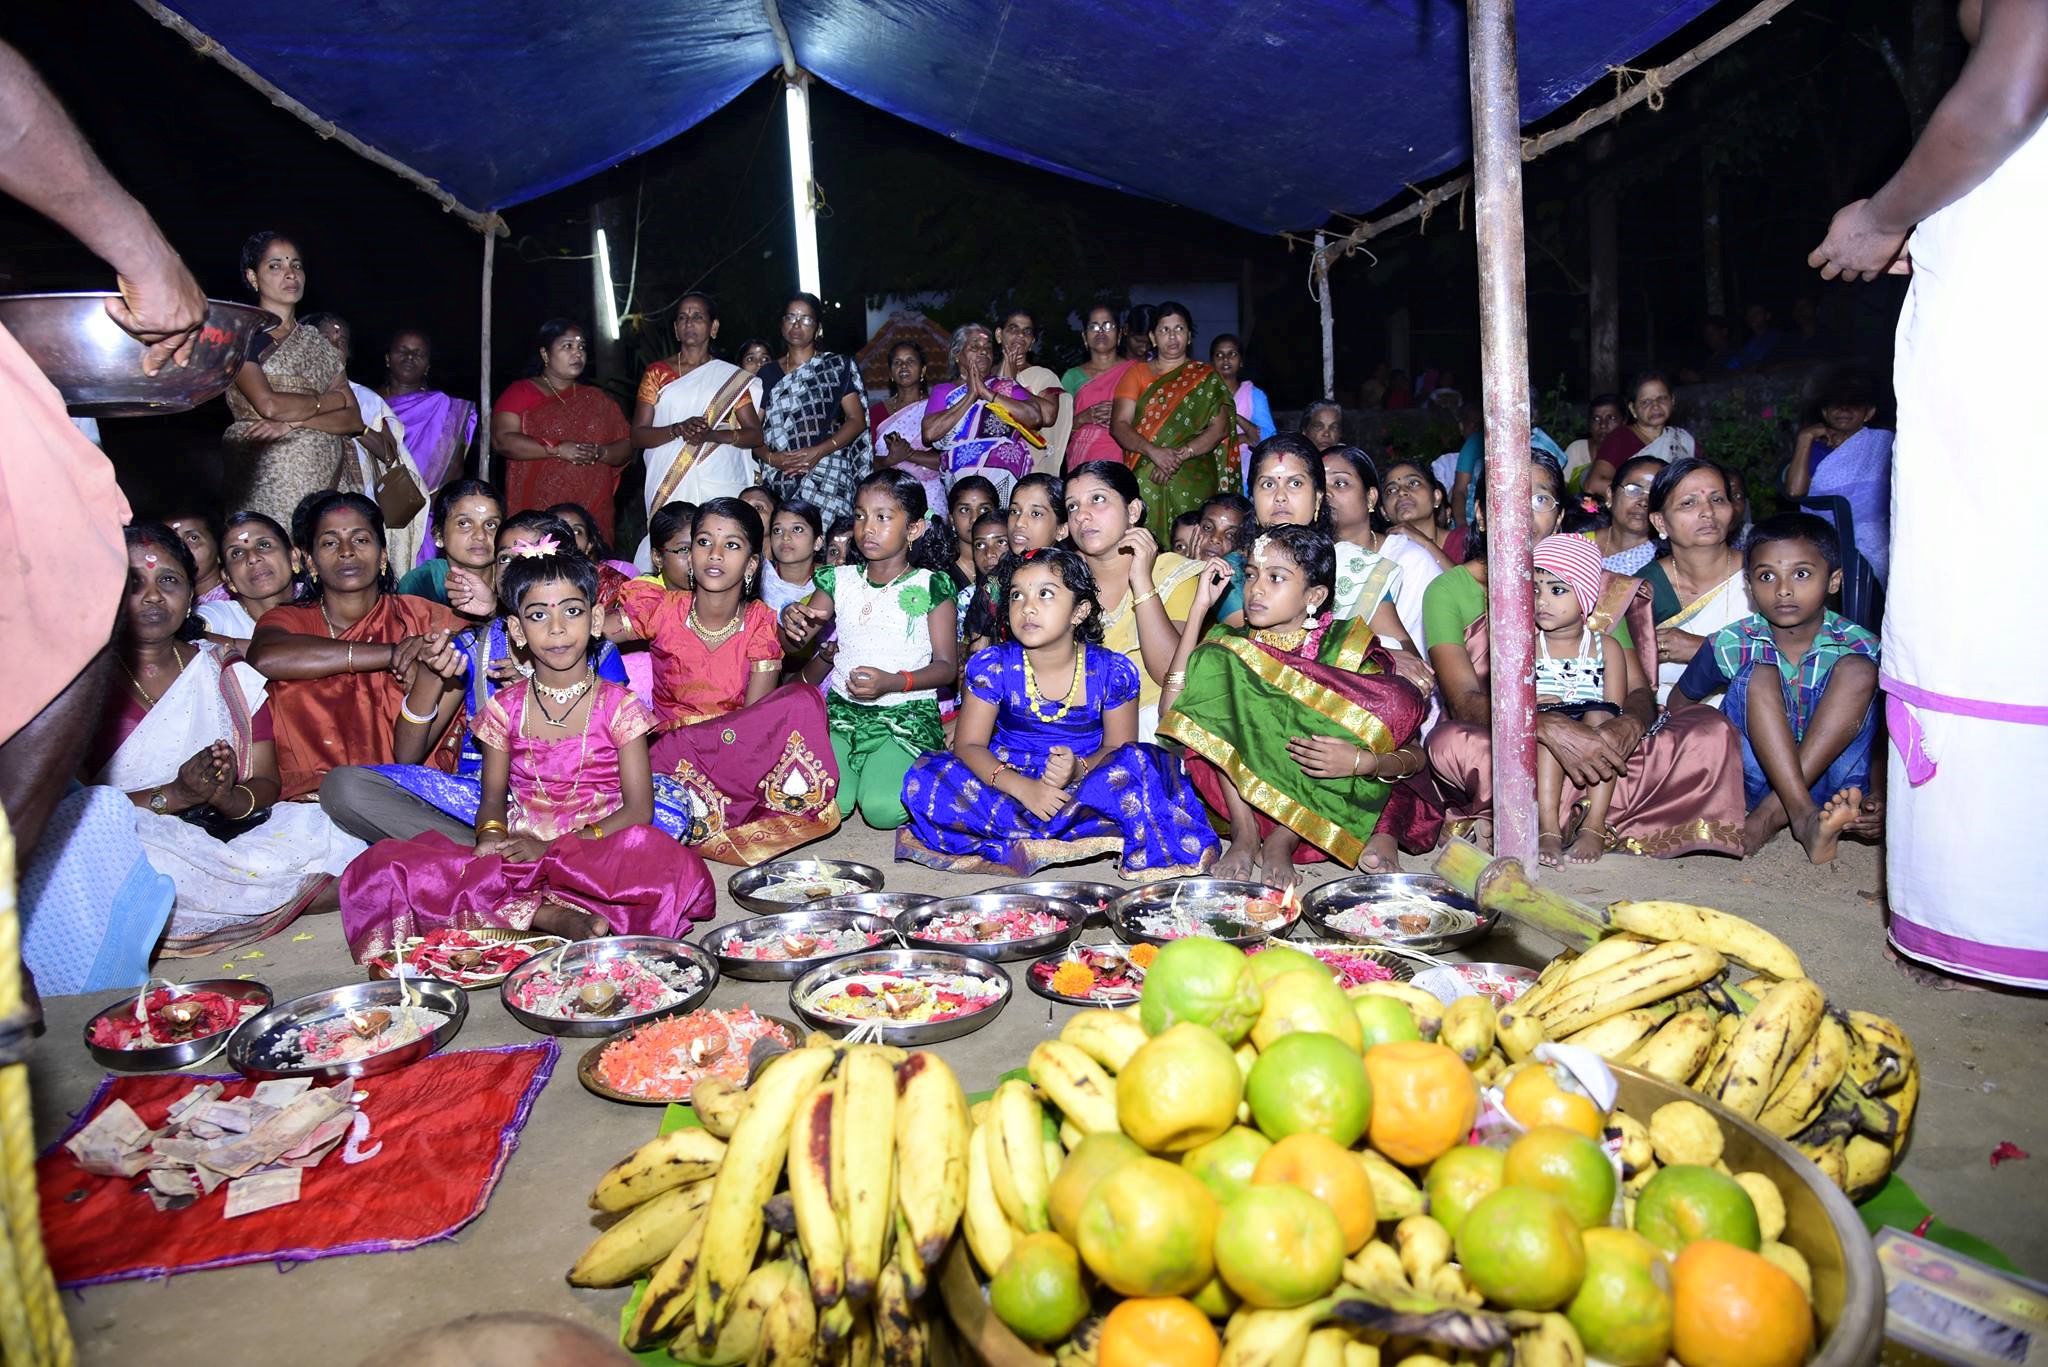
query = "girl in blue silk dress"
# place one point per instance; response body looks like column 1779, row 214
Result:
column 1046, row 767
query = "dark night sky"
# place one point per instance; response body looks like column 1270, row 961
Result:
column 1797, row 119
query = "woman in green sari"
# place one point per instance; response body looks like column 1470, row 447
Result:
column 1297, row 729
column 1171, row 415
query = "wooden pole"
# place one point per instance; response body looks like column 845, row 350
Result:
column 1504, row 367
column 483, row 407
column 1329, row 317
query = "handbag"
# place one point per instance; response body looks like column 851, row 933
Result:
column 399, row 496
column 220, row 825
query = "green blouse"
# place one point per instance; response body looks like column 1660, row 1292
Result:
column 1455, row 600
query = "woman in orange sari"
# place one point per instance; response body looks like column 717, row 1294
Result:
column 340, row 659
column 1171, row 416
column 563, row 442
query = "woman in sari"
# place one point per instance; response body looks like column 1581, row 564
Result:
column 1628, row 542
column 896, row 423
column 1017, row 338
column 985, row 424
column 188, row 739
column 563, row 442
column 1093, row 385
column 1647, row 432
column 1413, row 501
column 1172, row 414
column 1844, row 456
column 696, row 417
column 1296, row 727
column 262, row 573
column 1148, row 590
column 1698, row 585
column 814, row 424
column 1254, row 421
column 1678, row 778
column 438, row 427
column 291, row 402
column 340, row 659
column 384, row 461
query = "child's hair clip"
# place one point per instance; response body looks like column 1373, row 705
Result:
column 546, row 545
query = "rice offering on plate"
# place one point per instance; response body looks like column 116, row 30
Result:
column 167, row 1018
column 1352, row 968
column 461, row 957
column 903, row 998
column 1501, row 982
column 1223, row 916
column 352, row 1036
column 662, row 1060
column 796, row 890
column 1409, row 916
column 629, row 985
column 981, row 928
column 1109, row 974
column 789, row 946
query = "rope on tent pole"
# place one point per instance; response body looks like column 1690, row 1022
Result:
column 207, row 47
column 1648, row 90
column 483, row 407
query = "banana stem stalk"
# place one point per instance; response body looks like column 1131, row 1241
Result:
column 1504, row 886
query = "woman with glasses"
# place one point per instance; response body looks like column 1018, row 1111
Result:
column 1016, row 341
column 1624, row 539
column 986, row 425
column 1647, row 432
column 1093, row 385
column 1412, row 500
column 814, row 423
column 1172, row 415
column 563, row 442
column 1678, row 790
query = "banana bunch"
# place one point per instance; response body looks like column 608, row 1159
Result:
column 803, row 1222
column 1655, row 993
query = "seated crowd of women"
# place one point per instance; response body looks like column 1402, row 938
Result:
column 1215, row 647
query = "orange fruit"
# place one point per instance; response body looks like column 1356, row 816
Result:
column 1684, row 1202
column 1307, row 1081
column 1569, row 1166
column 1423, row 1100
column 1226, row 1162
column 1522, row 1249
column 1148, row 1229
column 1093, row 1159
column 1533, row 1097
column 1278, row 1246
column 1623, row 1308
column 1160, row 1331
column 1327, row 1171
column 1460, row 1180
column 1038, row 1291
column 1733, row 1308
column 1180, row 1089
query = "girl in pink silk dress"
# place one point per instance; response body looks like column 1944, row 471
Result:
column 563, row 840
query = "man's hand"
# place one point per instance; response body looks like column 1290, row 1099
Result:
column 1856, row 248
column 162, row 307
column 469, row 593
column 1586, row 758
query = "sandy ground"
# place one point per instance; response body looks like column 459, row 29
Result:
column 1981, row 1051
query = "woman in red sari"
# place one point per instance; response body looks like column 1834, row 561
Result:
column 563, row 442
column 340, row 659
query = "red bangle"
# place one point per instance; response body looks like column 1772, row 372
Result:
column 908, row 683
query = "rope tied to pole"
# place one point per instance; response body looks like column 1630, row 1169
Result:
column 1651, row 77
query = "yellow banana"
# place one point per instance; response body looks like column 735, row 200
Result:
column 1448, row 1284
column 740, row 1337
column 643, row 1237
column 900, row 1330
column 1637, row 1152
column 862, row 1346
column 1865, row 1164
column 666, row 1302
column 1831, row 1158
column 1547, row 981
column 1615, row 949
column 1785, row 1019
column 1662, row 971
column 1394, row 1193
column 718, row 1104
column 1270, row 1338
column 1517, row 1032
column 1076, row 1084
column 868, row 1082
column 1487, row 1071
column 1359, row 1353
column 1017, row 1155
column 1903, row 1101
column 1427, row 1010
column 836, row 1324
column 1325, row 1346
column 753, row 1162
column 789, row 1329
column 1552, row 1343
column 1743, row 941
column 1468, row 1028
column 932, row 1131
column 661, row 1164
column 1108, row 1037
column 989, row 1231
column 1808, row 1082
column 1621, row 1032
column 1710, row 1067
column 1376, row 1266
column 1675, row 1050
column 810, row 1188
column 1879, row 1053
column 1424, row 1247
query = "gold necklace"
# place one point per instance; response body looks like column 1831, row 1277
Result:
column 1286, row 642
column 714, row 639
column 567, row 695
column 146, row 696
column 1076, row 690
column 553, row 393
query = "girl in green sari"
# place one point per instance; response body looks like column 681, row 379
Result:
column 1296, row 726
column 1171, row 416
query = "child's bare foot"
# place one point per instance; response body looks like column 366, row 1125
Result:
column 1761, row 826
column 1821, row 830
column 1238, row 861
column 1549, row 849
column 1382, row 855
column 1276, row 858
column 569, row 922
column 1584, row 848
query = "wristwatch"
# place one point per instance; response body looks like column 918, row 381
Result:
column 158, row 803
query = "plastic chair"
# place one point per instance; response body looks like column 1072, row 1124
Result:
column 1862, row 594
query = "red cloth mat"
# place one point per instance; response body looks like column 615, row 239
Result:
column 440, row 1134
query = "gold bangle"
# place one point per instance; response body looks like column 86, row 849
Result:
column 1357, row 759
column 596, row 831
column 484, row 828
column 244, row 788
column 1177, row 679
column 351, row 657
column 1144, row 597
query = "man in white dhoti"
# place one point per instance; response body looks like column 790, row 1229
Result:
column 1965, row 666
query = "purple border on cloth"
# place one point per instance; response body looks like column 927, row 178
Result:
column 508, row 1140
column 1974, row 958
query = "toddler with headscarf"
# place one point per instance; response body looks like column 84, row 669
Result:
column 1582, row 673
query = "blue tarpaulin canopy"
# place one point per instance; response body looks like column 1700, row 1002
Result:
column 1271, row 114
